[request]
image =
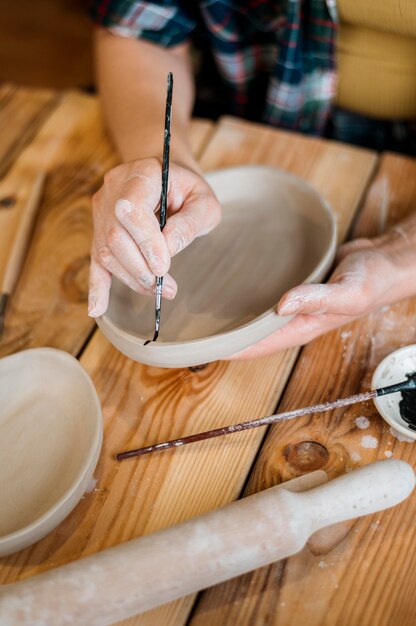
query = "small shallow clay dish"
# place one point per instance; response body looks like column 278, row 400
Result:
column 276, row 232
column 391, row 370
column 50, row 440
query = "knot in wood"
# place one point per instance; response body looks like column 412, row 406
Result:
column 75, row 280
column 306, row 456
column 7, row 202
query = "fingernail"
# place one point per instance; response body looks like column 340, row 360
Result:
column 169, row 293
column 291, row 307
column 158, row 266
column 148, row 281
column 155, row 264
column 92, row 308
column 178, row 243
column 169, row 287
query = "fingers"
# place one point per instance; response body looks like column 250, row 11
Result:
column 346, row 297
column 298, row 332
column 106, row 265
column 356, row 245
column 128, row 242
column 135, row 210
column 198, row 216
column 122, row 247
column 359, row 284
column 99, row 289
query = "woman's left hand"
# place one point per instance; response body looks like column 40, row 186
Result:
column 369, row 274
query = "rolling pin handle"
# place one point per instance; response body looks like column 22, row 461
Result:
column 371, row 488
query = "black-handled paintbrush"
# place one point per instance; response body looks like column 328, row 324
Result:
column 163, row 197
column 406, row 385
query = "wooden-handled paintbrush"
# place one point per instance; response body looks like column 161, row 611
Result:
column 407, row 385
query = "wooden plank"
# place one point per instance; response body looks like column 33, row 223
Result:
column 362, row 572
column 200, row 134
column 327, row 165
column 49, row 305
column 22, row 112
column 143, row 404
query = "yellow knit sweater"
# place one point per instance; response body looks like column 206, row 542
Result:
column 376, row 55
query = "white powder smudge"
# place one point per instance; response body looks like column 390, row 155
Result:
column 91, row 485
column 356, row 457
column 388, row 453
column 362, row 422
column 375, row 526
column 400, row 436
column 322, row 564
column 345, row 335
column 368, row 441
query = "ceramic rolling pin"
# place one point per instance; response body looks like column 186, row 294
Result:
column 144, row 573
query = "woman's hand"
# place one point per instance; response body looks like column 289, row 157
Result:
column 127, row 241
column 370, row 273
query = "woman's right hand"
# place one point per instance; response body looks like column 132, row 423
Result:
column 127, row 241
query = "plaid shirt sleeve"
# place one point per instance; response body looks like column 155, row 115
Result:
column 290, row 43
column 165, row 22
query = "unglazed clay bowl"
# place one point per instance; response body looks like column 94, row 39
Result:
column 50, row 441
column 276, row 232
column 392, row 370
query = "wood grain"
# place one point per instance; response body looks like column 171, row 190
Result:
column 22, row 112
column 361, row 572
column 142, row 405
column 48, row 307
column 50, row 302
column 340, row 172
column 23, row 236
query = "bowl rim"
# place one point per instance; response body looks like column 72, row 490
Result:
column 401, row 428
column 94, row 449
column 269, row 317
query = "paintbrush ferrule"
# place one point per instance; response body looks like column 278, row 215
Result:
column 405, row 385
column 159, row 288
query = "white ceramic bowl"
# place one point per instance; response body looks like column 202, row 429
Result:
column 392, row 370
column 276, row 232
column 50, row 440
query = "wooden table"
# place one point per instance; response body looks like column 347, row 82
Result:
column 361, row 572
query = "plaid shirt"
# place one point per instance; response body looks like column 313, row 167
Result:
column 279, row 52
